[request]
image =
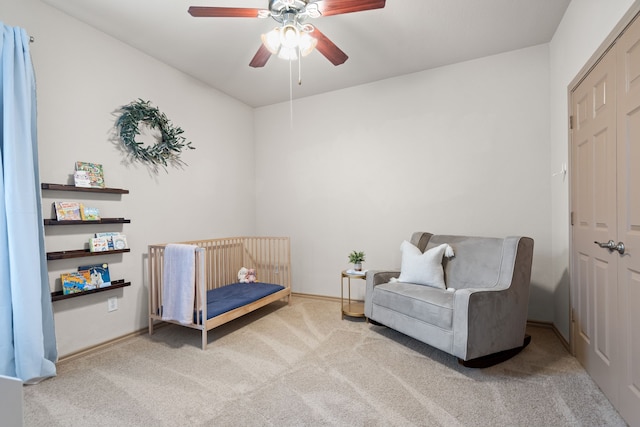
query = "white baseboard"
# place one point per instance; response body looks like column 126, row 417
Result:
column 551, row 326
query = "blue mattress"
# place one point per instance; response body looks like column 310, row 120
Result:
column 229, row 297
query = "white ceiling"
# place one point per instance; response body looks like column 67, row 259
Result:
column 404, row 37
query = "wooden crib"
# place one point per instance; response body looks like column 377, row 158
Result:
column 217, row 264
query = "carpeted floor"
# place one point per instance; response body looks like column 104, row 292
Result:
column 302, row 365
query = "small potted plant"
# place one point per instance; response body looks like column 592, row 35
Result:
column 356, row 258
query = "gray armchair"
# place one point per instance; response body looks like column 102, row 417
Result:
column 481, row 315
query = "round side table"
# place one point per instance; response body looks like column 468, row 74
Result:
column 352, row 308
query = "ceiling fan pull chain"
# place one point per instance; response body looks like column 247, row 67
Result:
column 299, row 65
column 290, row 95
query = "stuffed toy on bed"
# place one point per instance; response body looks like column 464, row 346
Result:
column 251, row 276
column 242, row 274
column 247, row 275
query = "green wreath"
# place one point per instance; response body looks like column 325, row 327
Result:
column 170, row 142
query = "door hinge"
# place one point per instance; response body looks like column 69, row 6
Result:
column 570, row 122
column 572, row 217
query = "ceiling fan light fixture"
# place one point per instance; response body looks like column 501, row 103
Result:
column 288, row 53
column 289, row 36
column 307, row 44
column 289, row 40
column 271, row 40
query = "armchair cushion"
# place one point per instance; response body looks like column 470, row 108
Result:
column 423, row 268
column 423, row 303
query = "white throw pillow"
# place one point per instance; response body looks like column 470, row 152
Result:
column 423, row 268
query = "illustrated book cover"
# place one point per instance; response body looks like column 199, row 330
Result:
column 81, row 179
column 115, row 239
column 67, row 211
column 98, row 274
column 89, row 214
column 73, row 282
column 95, row 172
column 99, row 244
column 119, row 241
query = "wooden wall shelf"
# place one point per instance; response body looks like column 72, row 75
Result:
column 99, row 221
column 61, row 187
column 79, row 253
column 115, row 284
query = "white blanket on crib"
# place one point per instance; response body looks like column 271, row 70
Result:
column 178, row 283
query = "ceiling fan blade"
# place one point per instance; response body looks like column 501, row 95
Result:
column 328, row 48
column 261, row 57
column 223, row 12
column 336, row 7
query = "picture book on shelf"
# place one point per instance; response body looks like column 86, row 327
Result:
column 89, row 213
column 95, row 172
column 99, row 244
column 81, row 179
column 74, row 282
column 98, row 274
column 119, row 241
column 115, row 239
column 67, row 211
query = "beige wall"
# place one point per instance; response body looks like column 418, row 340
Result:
column 83, row 76
column 461, row 149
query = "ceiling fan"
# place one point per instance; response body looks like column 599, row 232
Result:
column 294, row 37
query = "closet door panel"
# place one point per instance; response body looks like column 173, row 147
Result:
column 595, row 269
column 628, row 195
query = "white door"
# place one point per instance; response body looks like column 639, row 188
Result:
column 605, row 200
column 628, row 131
column 594, row 269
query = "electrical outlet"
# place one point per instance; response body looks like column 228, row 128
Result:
column 112, row 304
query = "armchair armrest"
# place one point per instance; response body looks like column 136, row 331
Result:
column 375, row 278
column 491, row 320
column 487, row 321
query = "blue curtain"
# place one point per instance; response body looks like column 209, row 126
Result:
column 27, row 335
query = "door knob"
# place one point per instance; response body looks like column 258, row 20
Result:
column 611, row 245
